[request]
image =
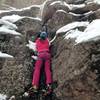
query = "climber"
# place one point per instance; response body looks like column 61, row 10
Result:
column 43, row 56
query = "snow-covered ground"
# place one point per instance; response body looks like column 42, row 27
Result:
column 97, row 1
column 12, row 18
column 4, row 55
column 8, row 26
column 91, row 33
column 71, row 26
column 3, row 97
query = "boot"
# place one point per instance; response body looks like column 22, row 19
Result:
column 49, row 88
column 33, row 90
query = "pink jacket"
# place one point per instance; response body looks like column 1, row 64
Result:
column 42, row 45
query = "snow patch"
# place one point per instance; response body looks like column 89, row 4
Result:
column 55, row 2
column 71, row 26
column 42, row 8
column 97, row 1
column 12, row 18
column 77, row 6
column 34, row 18
column 4, row 55
column 72, row 34
column 3, row 97
column 91, row 33
column 61, row 11
column 74, row 14
column 28, row 8
column 9, row 7
column 8, row 27
column 5, row 30
column 8, row 24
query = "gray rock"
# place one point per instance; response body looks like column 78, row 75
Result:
column 49, row 10
column 86, row 8
column 97, row 14
column 55, row 22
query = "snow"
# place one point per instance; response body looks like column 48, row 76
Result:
column 8, row 27
column 72, row 6
column 90, row 12
column 91, row 33
column 67, row 5
column 72, row 34
column 31, row 45
column 71, row 26
column 27, row 8
column 3, row 97
column 42, row 8
column 12, row 18
column 5, row 30
column 34, row 18
column 4, row 55
column 97, row 1
column 74, row 14
column 51, row 41
column 61, row 3
column 9, row 7
column 55, row 2
column 61, row 11
column 8, row 24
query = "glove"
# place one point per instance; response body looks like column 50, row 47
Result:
column 34, row 57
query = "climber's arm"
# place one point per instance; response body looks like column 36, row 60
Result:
column 51, row 41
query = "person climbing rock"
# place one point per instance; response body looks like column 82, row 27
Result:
column 43, row 56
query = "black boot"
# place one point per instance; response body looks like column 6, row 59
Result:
column 49, row 88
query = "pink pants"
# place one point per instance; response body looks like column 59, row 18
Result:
column 42, row 57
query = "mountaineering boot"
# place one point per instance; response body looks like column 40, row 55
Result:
column 49, row 89
column 33, row 90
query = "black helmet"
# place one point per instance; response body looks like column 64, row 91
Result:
column 43, row 35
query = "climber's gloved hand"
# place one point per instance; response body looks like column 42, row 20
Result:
column 34, row 57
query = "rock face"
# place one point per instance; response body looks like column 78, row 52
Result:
column 75, row 73
column 75, row 67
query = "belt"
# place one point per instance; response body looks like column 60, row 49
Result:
column 44, row 52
